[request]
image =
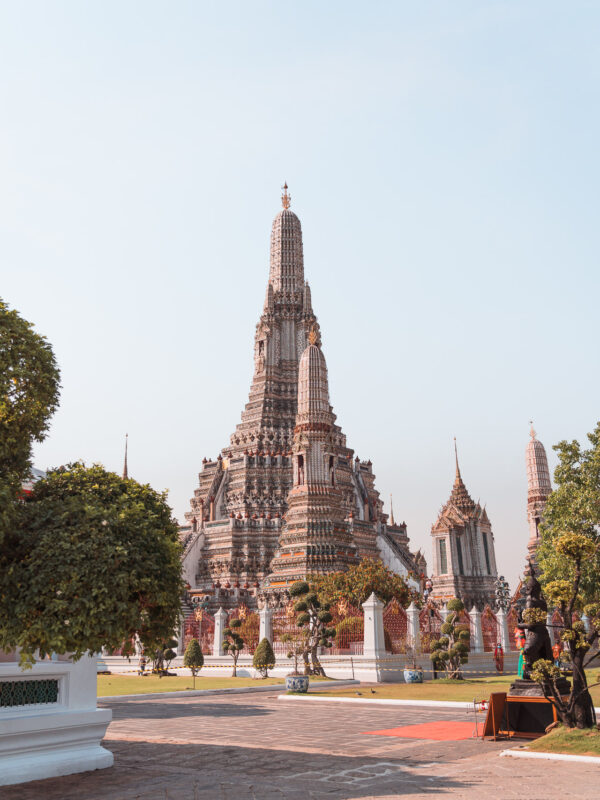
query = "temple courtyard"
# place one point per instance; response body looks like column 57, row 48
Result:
column 257, row 747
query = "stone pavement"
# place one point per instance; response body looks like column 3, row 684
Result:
column 255, row 747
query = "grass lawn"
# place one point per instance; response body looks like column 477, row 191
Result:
column 444, row 689
column 479, row 688
column 135, row 684
column 565, row 740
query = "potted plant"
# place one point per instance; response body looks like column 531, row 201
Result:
column 296, row 681
column 412, row 673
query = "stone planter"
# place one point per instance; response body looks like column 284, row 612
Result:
column 297, row 683
column 413, row 675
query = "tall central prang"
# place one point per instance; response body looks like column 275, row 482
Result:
column 239, row 513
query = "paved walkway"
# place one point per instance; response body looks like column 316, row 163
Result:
column 255, row 747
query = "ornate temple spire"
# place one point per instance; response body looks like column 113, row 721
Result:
column 287, row 257
column 539, row 488
column 391, row 512
column 460, row 497
column 125, row 473
column 313, row 387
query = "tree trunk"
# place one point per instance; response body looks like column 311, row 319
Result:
column 582, row 706
column 317, row 668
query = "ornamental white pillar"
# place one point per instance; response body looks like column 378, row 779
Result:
column 220, row 622
column 503, row 635
column 266, row 624
column 444, row 612
column 374, row 641
column 476, row 632
column 414, row 628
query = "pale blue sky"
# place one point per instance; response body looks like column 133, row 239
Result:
column 443, row 159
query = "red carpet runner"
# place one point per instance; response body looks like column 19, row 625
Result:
column 442, row 731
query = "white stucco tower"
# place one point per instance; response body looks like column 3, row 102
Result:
column 539, row 488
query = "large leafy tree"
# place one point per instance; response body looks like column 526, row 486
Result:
column 93, row 561
column 569, row 558
column 573, row 508
column 29, row 390
column 357, row 584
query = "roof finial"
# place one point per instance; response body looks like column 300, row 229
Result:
column 391, row 512
column 312, row 336
column 286, row 199
column 456, row 456
column 125, row 473
column 532, row 431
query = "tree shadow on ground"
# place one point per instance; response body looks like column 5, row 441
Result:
column 167, row 771
column 173, row 711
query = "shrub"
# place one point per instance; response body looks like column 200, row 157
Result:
column 193, row 658
column 264, row 657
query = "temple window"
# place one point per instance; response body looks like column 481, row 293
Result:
column 461, row 568
column 443, row 557
column 300, row 470
column 487, row 552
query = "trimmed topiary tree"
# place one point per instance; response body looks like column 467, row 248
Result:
column 233, row 642
column 451, row 650
column 264, row 657
column 163, row 655
column 314, row 617
column 193, row 658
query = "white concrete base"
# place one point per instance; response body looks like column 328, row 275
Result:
column 594, row 760
column 68, row 742
column 48, row 739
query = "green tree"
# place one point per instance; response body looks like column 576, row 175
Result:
column 296, row 642
column 357, row 584
column 93, row 562
column 264, row 657
column 193, row 658
column 569, row 559
column 233, row 642
column 29, row 391
column 314, row 618
column 573, row 508
column 577, row 709
column 163, row 655
column 451, row 650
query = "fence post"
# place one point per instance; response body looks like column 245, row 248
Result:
column 444, row 612
column 220, row 620
column 414, row 627
column 503, row 635
column 476, row 632
column 374, row 642
column 266, row 624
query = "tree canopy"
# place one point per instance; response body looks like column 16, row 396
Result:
column 356, row 585
column 573, row 509
column 93, row 561
column 29, row 390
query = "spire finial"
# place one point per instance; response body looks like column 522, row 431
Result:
column 456, row 457
column 286, row 198
column 312, row 336
column 125, row 473
column 532, row 432
column 391, row 512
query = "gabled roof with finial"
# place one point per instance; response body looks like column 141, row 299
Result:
column 460, row 506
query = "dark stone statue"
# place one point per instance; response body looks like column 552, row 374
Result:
column 537, row 640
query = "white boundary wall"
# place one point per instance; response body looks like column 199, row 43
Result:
column 51, row 739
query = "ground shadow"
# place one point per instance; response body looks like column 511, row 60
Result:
column 166, row 771
column 195, row 707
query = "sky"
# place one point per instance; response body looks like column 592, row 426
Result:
column 443, row 160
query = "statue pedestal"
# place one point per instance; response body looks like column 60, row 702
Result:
column 526, row 688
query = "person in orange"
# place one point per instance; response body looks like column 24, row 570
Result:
column 499, row 657
column 556, row 651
